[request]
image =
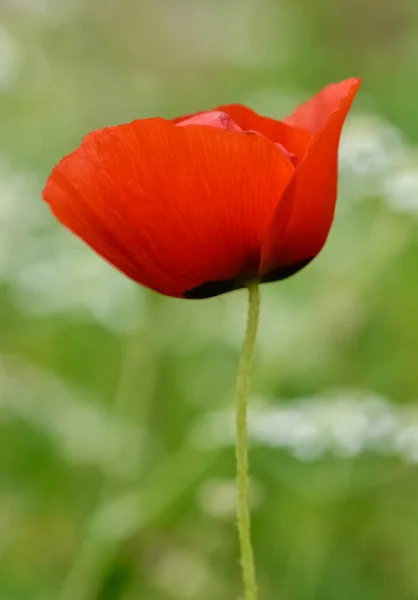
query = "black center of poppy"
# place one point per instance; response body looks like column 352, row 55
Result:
column 209, row 289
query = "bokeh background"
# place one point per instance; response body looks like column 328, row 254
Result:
column 116, row 438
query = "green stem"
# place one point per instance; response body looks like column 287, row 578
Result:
column 242, row 394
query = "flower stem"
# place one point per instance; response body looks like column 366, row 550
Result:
column 242, row 394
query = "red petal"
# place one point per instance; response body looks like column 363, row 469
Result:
column 314, row 114
column 172, row 207
column 303, row 218
column 293, row 139
column 213, row 118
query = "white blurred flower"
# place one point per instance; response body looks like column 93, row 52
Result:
column 50, row 271
column 371, row 151
column 376, row 161
column 67, row 277
column 81, row 429
column 345, row 424
column 19, row 212
column 370, row 146
column 19, row 218
column 401, row 190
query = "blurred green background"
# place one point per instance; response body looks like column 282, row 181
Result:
column 116, row 445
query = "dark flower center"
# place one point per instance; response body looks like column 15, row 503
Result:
column 216, row 288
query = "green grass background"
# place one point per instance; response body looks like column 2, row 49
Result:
column 115, row 458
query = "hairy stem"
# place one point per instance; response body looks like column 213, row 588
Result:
column 242, row 394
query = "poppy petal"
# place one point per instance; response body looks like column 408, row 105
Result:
column 293, row 139
column 174, row 208
column 304, row 216
column 314, row 114
column 213, row 118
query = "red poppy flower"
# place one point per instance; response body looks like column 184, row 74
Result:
column 201, row 205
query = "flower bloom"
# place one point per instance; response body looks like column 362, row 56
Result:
column 203, row 204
